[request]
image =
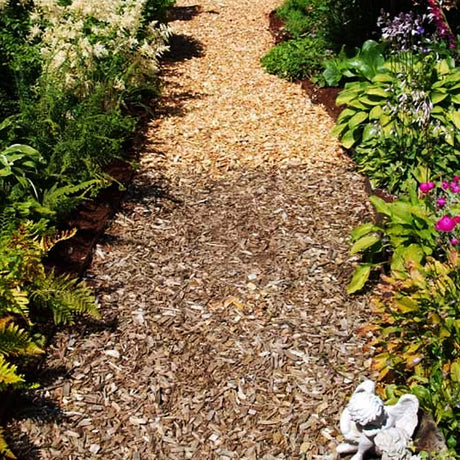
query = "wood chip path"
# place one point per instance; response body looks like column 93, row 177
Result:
column 227, row 333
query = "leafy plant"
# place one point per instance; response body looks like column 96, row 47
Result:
column 406, row 231
column 417, row 332
column 403, row 117
column 364, row 65
column 295, row 59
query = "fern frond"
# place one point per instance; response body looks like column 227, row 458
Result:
column 13, row 299
column 8, row 375
column 55, row 195
column 4, row 450
column 48, row 242
column 65, row 297
column 15, row 341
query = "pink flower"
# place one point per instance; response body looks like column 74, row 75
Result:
column 456, row 178
column 456, row 219
column 445, row 224
column 441, row 202
column 454, row 241
column 445, row 185
column 425, row 187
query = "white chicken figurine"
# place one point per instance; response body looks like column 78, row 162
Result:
column 366, row 423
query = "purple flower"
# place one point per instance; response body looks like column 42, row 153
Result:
column 445, row 186
column 453, row 241
column 425, row 187
column 445, row 224
column 441, row 202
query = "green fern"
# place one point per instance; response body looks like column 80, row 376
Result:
column 4, row 447
column 8, row 374
column 16, row 341
column 65, row 297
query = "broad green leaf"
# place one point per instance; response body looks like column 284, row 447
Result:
column 363, row 229
column 338, row 129
column 377, row 91
column 365, row 242
column 406, row 304
column 359, row 279
column 380, row 205
column 376, row 113
column 348, row 139
column 455, row 98
column 455, row 116
column 438, row 96
column 357, row 119
column 383, row 78
column 345, row 115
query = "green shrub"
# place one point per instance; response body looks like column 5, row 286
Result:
column 295, row 59
column 417, row 332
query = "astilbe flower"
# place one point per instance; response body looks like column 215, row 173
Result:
column 80, row 37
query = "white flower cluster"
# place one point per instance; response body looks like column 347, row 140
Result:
column 79, row 39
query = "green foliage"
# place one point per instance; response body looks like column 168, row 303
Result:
column 365, row 64
column 417, row 332
column 301, row 17
column 65, row 298
column 156, row 10
column 406, row 232
column 295, row 59
column 404, row 116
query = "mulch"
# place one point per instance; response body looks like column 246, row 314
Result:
column 227, row 332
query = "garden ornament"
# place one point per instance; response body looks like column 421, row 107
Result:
column 367, row 424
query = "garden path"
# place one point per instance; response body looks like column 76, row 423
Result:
column 227, row 332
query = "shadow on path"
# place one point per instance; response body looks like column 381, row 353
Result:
column 183, row 47
column 184, row 13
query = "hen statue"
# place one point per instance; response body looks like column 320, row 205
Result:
column 367, row 424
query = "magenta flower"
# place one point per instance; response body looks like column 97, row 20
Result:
column 456, row 178
column 445, row 224
column 445, row 186
column 441, row 202
column 456, row 219
column 454, row 188
column 454, row 241
column 425, row 187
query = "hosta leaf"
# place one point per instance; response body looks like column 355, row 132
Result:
column 376, row 113
column 377, row 91
column 357, row 119
column 383, row 78
column 365, row 242
column 455, row 117
column 348, row 139
column 338, row 129
column 345, row 115
column 438, row 96
column 359, row 279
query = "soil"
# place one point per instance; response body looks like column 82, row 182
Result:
column 90, row 219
